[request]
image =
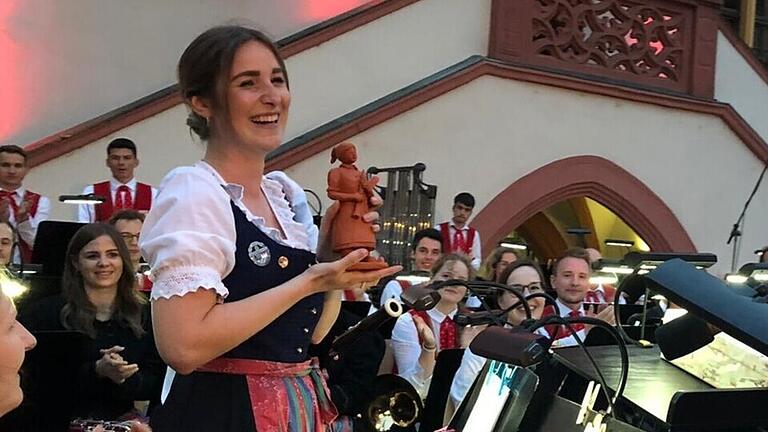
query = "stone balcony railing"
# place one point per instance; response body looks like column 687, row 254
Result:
column 667, row 45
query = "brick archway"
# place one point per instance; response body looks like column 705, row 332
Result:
column 593, row 177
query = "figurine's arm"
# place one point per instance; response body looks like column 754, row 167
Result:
column 335, row 193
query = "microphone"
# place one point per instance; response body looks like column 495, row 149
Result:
column 420, row 297
column 478, row 318
column 683, row 336
column 391, row 309
column 515, row 346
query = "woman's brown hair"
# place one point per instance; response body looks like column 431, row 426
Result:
column 204, row 68
column 79, row 313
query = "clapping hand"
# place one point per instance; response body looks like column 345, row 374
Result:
column 111, row 365
column 426, row 335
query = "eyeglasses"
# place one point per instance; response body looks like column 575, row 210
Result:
column 531, row 287
column 128, row 237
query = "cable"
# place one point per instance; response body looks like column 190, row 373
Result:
column 319, row 209
column 624, row 354
column 472, row 286
column 616, row 309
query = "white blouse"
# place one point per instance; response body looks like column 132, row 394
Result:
column 407, row 349
column 189, row 235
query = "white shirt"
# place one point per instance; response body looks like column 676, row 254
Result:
column 476, row 254
column 28, row 229
column 407, row 349
column 87, row 212
column 565, row 312
column 470, row 366
column 189, row 235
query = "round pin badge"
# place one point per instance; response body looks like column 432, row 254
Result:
column 259, row 253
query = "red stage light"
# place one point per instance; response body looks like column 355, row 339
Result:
column 13, row 107
column 320, row 10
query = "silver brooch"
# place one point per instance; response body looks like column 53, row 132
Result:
column 259, row 253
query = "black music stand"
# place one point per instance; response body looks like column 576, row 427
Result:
column 446, row 365
column 50, row 251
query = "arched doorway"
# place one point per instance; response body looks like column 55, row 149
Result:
column 584, row 176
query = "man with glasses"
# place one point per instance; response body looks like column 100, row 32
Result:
column 128, row 223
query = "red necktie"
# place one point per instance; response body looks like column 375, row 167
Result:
column 447, row 334
column 575, row 326
column 458, row 241
column 123, row 198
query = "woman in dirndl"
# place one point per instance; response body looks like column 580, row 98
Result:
column 238, row 295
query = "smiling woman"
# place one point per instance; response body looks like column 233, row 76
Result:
column 117, row 362
column 238, row 295
column 418, row 336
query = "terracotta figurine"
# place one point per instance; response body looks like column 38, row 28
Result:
column 351, row 187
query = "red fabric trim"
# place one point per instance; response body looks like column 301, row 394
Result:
column 470, row 241
column 25, row 250
column 404, row 284
column 268, row 393
column 104, row 210
column 445, row 232
column 143, row 201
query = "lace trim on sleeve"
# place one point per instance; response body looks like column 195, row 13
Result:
column 182, row 280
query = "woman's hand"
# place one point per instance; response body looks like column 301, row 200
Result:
column 111, row 365
column 426, row 336
column 335, row 275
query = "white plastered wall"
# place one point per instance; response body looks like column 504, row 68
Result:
column 327, row 81
column 382, row 57
column 739, row 85
column 485, row 135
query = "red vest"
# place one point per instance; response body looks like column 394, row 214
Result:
column 33, row 198
column 447, row 239
column 142, row 202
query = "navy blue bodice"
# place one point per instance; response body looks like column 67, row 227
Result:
column 261, row 264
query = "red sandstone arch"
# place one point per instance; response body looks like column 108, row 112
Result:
column 593, row 177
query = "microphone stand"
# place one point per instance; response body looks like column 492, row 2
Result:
column 736, row 230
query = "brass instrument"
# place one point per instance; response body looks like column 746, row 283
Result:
column 397, row 405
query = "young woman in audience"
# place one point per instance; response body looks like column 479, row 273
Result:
column 496, row 262
column 238, row 295
column 418, row 336
column 15, row 340
column 116, row 363
column 525, row 277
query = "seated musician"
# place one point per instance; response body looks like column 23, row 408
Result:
column 526, row 278
column 418, row 336
column 118, row 362
column 570, row 279
column 128, row 223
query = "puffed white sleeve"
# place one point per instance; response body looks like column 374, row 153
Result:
column 189, row 235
